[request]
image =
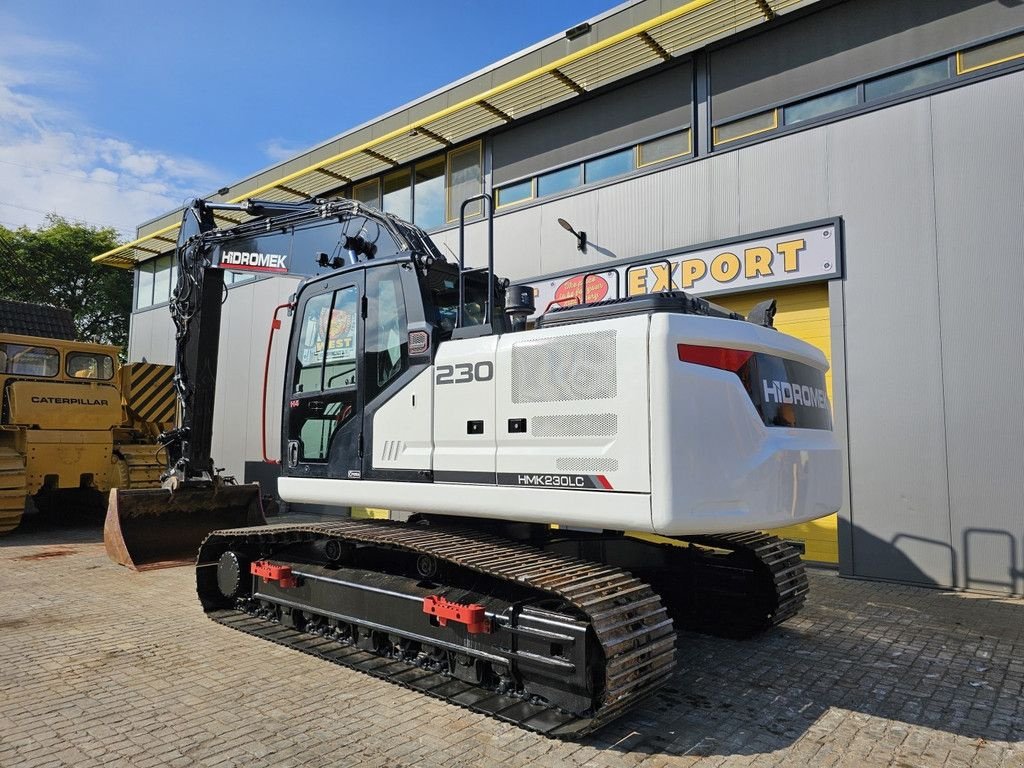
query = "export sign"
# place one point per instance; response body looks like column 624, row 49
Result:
column 759, row 262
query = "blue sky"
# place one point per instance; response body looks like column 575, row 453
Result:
column 113, row 112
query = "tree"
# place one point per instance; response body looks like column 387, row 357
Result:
column 53, row 265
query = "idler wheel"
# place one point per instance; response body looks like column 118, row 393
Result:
column 334, row 550
column 231, row 571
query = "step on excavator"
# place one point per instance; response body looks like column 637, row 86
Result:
column 576, row 484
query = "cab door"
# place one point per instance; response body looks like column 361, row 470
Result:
column 324, row 408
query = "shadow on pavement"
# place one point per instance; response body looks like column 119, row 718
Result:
column 58, row 525
column 916, row 656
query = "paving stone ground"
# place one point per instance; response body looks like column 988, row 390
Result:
column 100, row 666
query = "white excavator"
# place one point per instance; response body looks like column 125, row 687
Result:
column 575, row 484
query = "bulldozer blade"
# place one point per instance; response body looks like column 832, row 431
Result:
column 161, row 528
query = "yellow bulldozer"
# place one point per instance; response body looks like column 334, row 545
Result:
column 73, row 423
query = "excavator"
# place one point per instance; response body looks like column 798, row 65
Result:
column 575, row 484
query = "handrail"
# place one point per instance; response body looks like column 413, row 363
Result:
column 462, row 256
column 618, row 283
column 275, row 325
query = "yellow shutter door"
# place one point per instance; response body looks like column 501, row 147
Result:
column 802, row 312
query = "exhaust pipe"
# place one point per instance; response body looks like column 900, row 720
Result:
column 162, row 528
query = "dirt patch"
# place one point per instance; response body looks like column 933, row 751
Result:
column 46, row 553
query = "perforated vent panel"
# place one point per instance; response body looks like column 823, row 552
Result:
column 586, row 464
column 576, row 367
column 575, row 425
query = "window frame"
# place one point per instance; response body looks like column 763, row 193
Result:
column 958, row 65
column 138, row 284
column 688, row 130
column 376, row 180
column 958, row 77
column 776, row 122
column 635, row 148
column 442, row 161
column 72, row 353
column 396, row 173
column 8, row 359
column 531, row 180
column 450, row 216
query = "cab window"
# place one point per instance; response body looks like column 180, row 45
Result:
column 88, row 365
column 25, row 360
column 443, row 287
column 387, row 345
column 325, row 362
column 327, row 343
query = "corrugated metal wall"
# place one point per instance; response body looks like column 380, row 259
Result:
column 980, row 245
column 245, row 325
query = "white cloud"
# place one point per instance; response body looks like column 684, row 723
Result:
column 51, row 162
column 277, row 151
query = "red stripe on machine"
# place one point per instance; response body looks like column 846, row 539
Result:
column 604, row 482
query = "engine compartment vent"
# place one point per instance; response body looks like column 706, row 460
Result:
column 575, row 425
column 579, row 366
column 586, row 464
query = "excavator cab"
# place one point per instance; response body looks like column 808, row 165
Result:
column 359, row 336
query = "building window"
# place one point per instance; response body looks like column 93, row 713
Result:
column 663, row 148
column 465, row 179
column 747, row 126
column 515, row 193
column 367, row 193
column 238, row 277
column 162, row 278
column 906, row 80
column 428, row 194
column 820, row 105
column 156, row 280
column 597, row 169
column 398, row 195
column 559, row 181
column 615, row 164
column 144, row 285
column 999, row 52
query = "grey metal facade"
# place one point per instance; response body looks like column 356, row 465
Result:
column 926, row 330
column 245, row 326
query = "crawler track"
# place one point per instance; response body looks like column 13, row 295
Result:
column 12, row 488
column 634, row 637
column 758, row 583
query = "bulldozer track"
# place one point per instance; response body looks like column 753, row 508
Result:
column 634, row 632
column 142, row 464
column 12, row 488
